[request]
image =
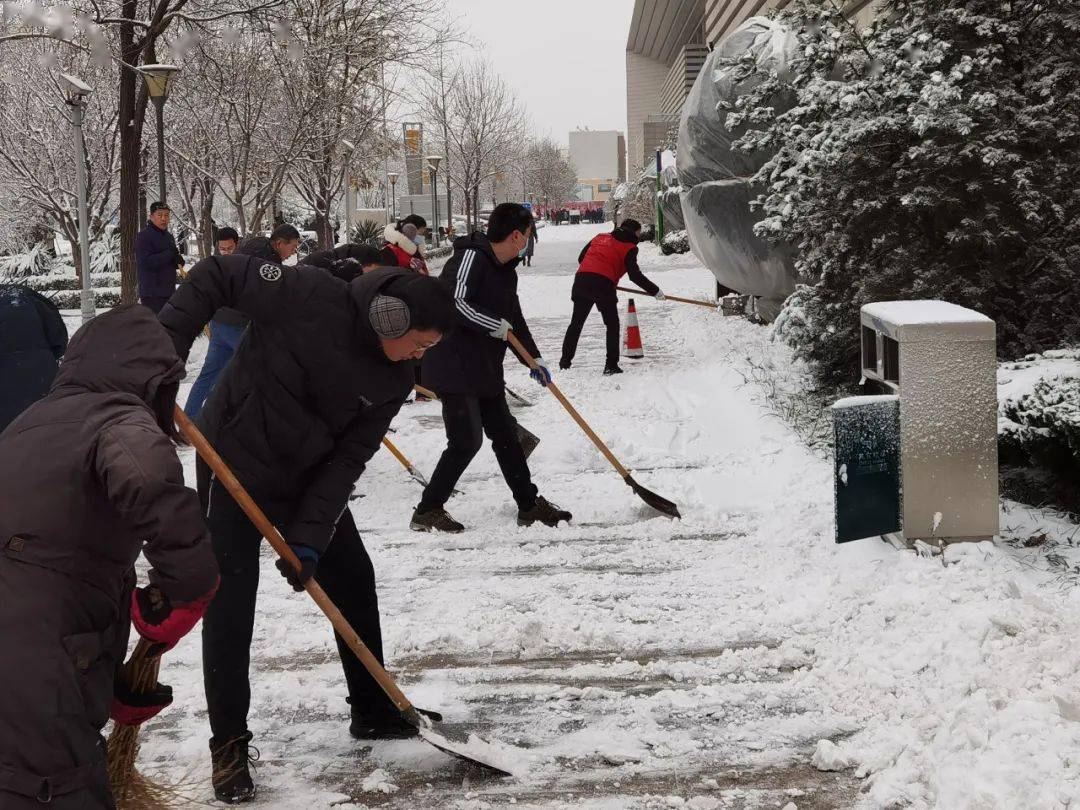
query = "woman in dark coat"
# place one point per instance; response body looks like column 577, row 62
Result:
column 32, row 339
column 90, row 478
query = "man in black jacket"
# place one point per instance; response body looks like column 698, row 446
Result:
column 603, row 261
column 466, row 371
column 296, row 415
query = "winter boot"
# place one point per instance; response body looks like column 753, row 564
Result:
column 385, row 724
column 231, row 776
column 564, row 364
column 434, row 520
column 545, row 511
column 609, row 370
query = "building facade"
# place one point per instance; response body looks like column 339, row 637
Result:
column 599, row 158
column 666, row 47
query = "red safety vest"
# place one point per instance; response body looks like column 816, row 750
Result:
column 606, row 257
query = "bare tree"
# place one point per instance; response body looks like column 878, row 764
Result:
column 478, row 123
column 549, row 174
column 37, row 157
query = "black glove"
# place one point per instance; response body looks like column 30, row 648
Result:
column 309, row 561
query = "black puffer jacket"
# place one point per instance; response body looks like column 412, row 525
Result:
column 343, row 261
column 470, row 360
column 32, row 339
column 308, row 396
column 88, row 480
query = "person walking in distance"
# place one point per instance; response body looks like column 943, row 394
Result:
column 157, row 259
column 466, row 371
column 297, row 414
column 530, row 246
column 602, row 262
column 90, row 478
column 226, row 332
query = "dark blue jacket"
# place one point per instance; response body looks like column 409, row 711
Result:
column 469, row 360
column 32, row 339
column 157, row 258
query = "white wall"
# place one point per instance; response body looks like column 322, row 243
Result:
column 595, row 153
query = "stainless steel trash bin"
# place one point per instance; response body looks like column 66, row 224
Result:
column 940, row 359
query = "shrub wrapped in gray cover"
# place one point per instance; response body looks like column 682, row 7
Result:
column 670, row 199
column 715, row 178
column 720, row 225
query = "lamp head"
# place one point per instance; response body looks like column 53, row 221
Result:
column 434, row 161
column 158, row 78
column 348, row 146
column 392, row 177
column 77, row 90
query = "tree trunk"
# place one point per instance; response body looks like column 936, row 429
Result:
column 206, row 220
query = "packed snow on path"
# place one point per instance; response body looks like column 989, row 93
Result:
column 736, row 658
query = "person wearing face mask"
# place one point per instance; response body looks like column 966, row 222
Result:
column 466, row 371
column 405, row 244
column 603, row 261
column 297, row 414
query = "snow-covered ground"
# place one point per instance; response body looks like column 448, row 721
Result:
column 734, row 659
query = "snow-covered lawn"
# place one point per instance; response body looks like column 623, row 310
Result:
column 642, row 662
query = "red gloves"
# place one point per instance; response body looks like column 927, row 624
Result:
column 157, row 620
column 134, row 708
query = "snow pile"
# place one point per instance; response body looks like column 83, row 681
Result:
column 378, row 781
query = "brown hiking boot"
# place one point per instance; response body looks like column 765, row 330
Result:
column 545, row 511
column 434, row 520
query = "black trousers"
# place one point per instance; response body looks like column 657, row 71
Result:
column 345, row 573
column 467, row 418
column 592, row 290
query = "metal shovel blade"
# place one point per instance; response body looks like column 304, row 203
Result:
column 662, row 505
column 527, row 439
column 473, row 750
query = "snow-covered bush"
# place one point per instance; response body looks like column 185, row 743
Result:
column 934, row 155
column 794, row 325
column 105, row 253
column 1043, row 427
column 675, row 242
column 31, row 261
column 366, row 231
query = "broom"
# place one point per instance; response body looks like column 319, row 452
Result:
column 131, row 789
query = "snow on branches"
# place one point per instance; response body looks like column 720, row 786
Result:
column 934, row 155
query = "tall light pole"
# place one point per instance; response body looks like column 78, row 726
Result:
column 433, row 162
column 349, row 149
column 77, row 93
column 158, row 78
column 392, row 177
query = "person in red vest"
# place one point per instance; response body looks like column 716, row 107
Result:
column 605, row 260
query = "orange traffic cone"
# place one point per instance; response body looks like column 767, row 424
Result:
column 632, row 342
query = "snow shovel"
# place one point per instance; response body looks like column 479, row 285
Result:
column 473, row 749
column 669, row 297
column 409, row 468
column 518, row 398
column 662, row 505
column 528, row 440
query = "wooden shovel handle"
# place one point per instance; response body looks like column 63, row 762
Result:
column 570, row 409
column 389, row 445
column 425, row 392
column 273, row 536
column 669, row 297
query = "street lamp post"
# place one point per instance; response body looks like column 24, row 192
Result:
column 349, row 149
column 392, row 177
column 433, row 162
column 77, row 93
column 158, row 78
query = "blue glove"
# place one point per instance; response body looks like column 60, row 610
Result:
column 542, row 374
column 309, row 561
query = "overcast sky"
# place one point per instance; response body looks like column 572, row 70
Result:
column 566, row 59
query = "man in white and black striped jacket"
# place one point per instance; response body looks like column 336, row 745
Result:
column 466, row 370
